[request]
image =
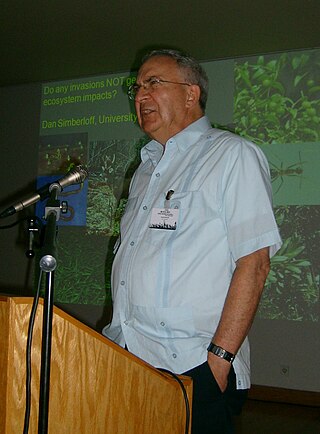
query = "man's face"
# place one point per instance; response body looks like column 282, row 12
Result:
column 164, row 110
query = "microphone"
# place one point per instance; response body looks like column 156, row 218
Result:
column 75, row 176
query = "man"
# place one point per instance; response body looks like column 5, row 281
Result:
column 196, row 238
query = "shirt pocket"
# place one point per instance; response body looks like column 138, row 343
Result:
column 192, row 211
column 171, row 322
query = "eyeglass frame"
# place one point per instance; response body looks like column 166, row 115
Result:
column 133, row 89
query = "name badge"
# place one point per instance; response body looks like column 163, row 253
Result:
column 164, row 218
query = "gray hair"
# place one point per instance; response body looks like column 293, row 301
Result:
column 195, row 74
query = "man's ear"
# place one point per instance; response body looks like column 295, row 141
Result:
column 193, row 95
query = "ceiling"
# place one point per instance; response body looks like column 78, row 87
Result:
column 43, row 40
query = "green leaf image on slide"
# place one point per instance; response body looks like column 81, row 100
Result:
column 277, row 98
column 84, row 271
column 292, row 287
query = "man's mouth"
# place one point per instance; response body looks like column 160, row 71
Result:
column 146, row 111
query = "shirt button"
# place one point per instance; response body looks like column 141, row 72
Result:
column 162, row 323
column 157, row 175
column 125, row 322
column 122, row 282
column 174, row 355
column 145, row 207
column 132, row 243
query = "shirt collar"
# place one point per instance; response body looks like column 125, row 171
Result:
column 183, row 140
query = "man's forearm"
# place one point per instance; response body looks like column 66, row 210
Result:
column 242, row 300
column 239, row 309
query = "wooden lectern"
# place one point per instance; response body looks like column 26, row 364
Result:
column 96, row 387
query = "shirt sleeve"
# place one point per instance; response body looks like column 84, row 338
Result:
column 247, row 202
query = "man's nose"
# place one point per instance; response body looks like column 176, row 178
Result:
column 142, row 93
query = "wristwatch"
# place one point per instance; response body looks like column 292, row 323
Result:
column 221, row 352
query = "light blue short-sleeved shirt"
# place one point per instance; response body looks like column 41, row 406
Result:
column 169, row 286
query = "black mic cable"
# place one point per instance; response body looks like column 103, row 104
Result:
column 185, row 396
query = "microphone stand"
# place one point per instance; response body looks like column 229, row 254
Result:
column 48, row 263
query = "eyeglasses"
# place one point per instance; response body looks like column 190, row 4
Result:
column 150, row 85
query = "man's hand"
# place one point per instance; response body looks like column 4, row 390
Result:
column 220, row 369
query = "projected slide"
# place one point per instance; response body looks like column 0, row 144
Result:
column 273, row 100
column 277, row 106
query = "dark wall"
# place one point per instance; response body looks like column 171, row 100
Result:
column 19, row 126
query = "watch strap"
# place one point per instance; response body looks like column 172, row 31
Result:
column 221, row 352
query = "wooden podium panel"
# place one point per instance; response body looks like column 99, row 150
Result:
column 96, row 387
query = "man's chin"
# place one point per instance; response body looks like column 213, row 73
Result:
column 149, row 127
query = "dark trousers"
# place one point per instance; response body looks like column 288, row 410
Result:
column 212, row 410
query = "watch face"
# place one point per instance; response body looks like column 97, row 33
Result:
column 220, row 352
